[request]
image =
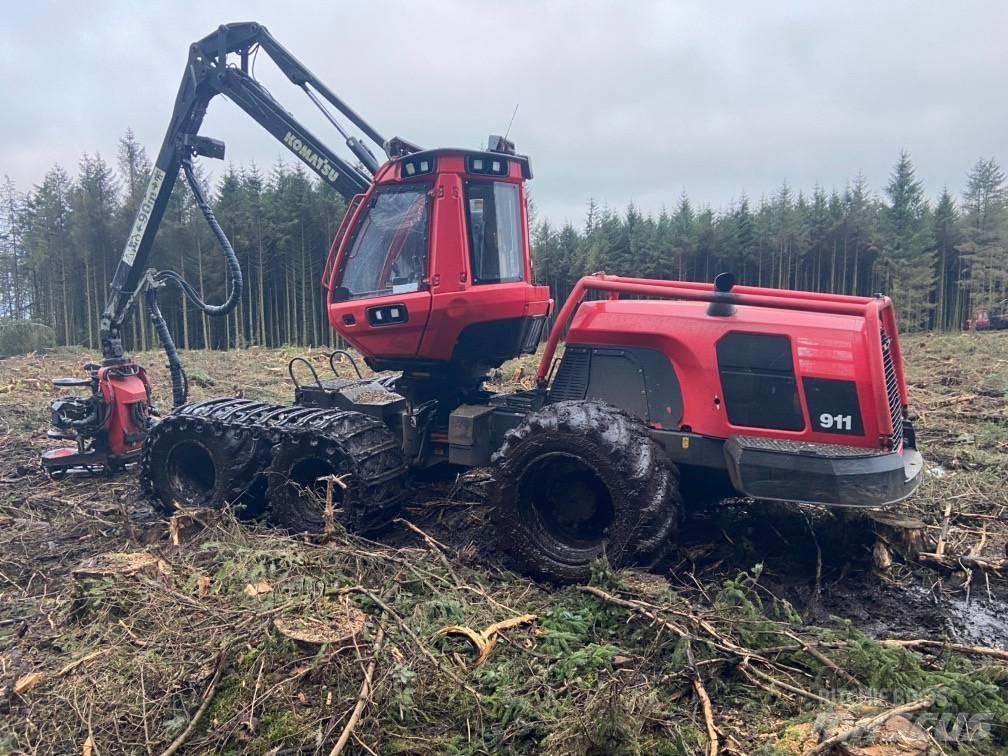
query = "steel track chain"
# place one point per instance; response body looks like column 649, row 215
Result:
column 375, row 454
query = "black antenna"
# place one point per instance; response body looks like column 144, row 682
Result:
column 511, row 121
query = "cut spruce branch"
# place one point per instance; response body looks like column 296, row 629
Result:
column 363, row 696
column 864, row 726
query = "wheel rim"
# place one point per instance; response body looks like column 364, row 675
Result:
column 570, row 499
column 192, row 473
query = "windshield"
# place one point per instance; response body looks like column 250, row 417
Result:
column 389, row 253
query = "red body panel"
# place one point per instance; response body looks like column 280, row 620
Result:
column 834, row 337
column 120, row 393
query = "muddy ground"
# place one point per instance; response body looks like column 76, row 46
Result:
column 787, row 619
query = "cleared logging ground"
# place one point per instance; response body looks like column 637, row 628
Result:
column 775, row 631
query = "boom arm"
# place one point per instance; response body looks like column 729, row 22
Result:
column 208, row 74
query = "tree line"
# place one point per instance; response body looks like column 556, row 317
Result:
column 61, row 240
column 939, row 262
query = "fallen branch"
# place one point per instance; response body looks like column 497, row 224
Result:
column 770, row 679
column 952, row 400
column 971, row 562
column 708, row 713
column 207, row 698
column 362, row 697
column 810, row 649
column 434, row 545
column 995, row 653
column 717, row 641
column 429, row 539
column 635, row 607
column 864, row 726
column 83, row 660
column 714, row 743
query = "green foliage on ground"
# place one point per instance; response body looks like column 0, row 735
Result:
column 23, row 336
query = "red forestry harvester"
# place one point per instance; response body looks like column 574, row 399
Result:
column 992, row 319
column 665, row 390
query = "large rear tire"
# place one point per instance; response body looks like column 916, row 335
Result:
column 579, row 480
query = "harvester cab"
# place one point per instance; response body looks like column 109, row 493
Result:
column 432, row 272
column 666, row 391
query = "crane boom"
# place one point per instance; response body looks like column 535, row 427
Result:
column 208, row 73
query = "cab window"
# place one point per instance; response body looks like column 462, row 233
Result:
column 493, row 210
column 389, row 253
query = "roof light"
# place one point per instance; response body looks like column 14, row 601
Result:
column 417, row 166
column 495, row 167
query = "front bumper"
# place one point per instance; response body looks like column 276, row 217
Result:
column 828, row 474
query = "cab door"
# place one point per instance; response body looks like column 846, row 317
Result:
column 381, row 299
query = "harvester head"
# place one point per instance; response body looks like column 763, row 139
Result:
column 107, row 426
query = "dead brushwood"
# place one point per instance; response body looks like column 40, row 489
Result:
column 125, row 662
column 866, row 725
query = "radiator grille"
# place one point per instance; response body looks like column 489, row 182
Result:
column 571, row 381
column 892, row 391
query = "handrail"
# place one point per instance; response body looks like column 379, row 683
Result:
column 742, row 289
column 834, row 304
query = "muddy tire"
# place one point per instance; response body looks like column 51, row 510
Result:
column 579, row 480
column 362, row 452
column 189, row 462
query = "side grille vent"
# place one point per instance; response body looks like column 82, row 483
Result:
column 533, row 334
column 571, row 381
column 892, row 391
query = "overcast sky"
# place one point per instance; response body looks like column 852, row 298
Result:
column 618, row 100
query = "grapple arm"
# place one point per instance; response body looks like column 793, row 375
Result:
column 209, row 73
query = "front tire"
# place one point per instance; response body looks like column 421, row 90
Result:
column 579, row 480
column 189, row 463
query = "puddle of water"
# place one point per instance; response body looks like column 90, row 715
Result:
column 979, row 621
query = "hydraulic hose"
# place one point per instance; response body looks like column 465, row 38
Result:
column 180, row 384
column 234, row 267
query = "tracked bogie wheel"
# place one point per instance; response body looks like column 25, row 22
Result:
column 579, row 480
column 194, row 459
column 252, row 455
column 348, row 470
